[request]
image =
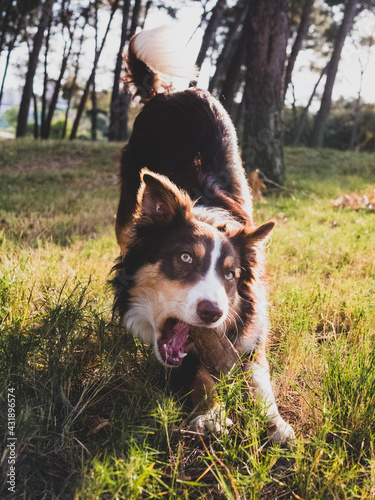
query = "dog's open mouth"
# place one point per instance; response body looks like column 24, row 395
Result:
column 174, row 341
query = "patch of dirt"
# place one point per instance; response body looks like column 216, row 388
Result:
column 46, row 164
column 103, row 180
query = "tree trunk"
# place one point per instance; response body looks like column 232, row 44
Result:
column 135, row 17
column 5, row 4
column 124, row 97
column 116, row 108
column 33, row 63
column 56, row 91
column 147, row 8
column 36, row 125
column 86, row 91
column 229, row 48
column 317, row 135
column 266, row 31
column 124, row 103
column 71, row 90
column 45, row 85
column 94, row 111
column 297, row 45
column 357, row 112
column 231, row 82
column 302, row 119
column 10, row 49
column 238, row 119
column 212, row 25
column 11, row 46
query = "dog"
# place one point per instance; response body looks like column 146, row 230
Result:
column 190, row 253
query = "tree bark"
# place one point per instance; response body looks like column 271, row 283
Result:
column 5, row 4
column 94, row 111
column 52, row 106
column 147, row 8
column 86, row 91
column 266, row 31
column 357, row 113
column 320, row 121
column 10, row 49
column 71, row 90
column 125, row 96
column 297, row 45
column 117, row 108
column 135, row 17
column 302, row 119
column 231, row 82
column 33, row 63
column 238, row 118
column 45, row 84
column 229, row 48
column 36, row 125
column 56, row 91
column 11, row 46
column 212, row 25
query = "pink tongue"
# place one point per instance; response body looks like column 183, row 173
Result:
column 172, row 345
column 181, row 329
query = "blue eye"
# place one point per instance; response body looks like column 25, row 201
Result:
column 186, row 257
column 229, row 276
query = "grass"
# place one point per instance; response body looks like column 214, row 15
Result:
column 95, row 417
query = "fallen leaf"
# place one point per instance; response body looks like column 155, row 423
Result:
column 355, row 201
column 257, row 186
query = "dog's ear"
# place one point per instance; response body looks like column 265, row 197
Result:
column 248, row 236
column 249, row 242
column 261, row 233
column 159, row 200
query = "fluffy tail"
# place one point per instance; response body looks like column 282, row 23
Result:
column 154, row 59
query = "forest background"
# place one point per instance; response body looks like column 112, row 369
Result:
column 273, row 65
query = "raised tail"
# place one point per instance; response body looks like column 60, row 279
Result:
column 154, row 59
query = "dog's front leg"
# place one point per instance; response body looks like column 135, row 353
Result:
column 279, row 431
column 203, row 391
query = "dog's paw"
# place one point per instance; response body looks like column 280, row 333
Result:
column 280, row 432
column 214, row 422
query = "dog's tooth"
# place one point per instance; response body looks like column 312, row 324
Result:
column 165, row 346
column 182, row 354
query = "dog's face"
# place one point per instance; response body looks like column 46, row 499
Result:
column 188, row 268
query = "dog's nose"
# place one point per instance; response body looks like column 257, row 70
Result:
column 208, row 311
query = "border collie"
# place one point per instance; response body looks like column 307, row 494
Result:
column 191, row 255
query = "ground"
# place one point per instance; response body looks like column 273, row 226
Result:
column 94, row 414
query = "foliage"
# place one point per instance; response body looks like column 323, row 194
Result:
column 57, row 127
column 10, row 115
column 14, row 18
column 339, row 127
column 95, row 415
column 341, row 122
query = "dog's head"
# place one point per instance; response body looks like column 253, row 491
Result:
column 184, row 266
